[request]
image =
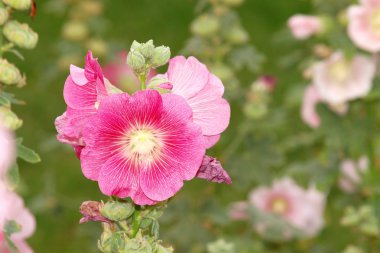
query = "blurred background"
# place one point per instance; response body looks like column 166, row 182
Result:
column 254, row 149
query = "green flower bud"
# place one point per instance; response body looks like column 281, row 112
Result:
column 205, row 25
column 104, row 244
column 161, row 56
column 117, row 211
column 75, row 30
column 97, row 46
column 20, row 34
column 9, row 73
column 162, row 249
column 9, row 119
column 237, row 35
column 138, row 245
column 135, row 45
column 233, row 2
column 146, row 49
column 4, row 15
column 19, row 4
column 135, row 60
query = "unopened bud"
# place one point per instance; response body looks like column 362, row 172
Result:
column 104, row 244
column 205, row 25
column 4, row 15
column 161, row 56
column 135, row 45
column 138, row 245
column 146, row 49
column 9, row 119
column 135, row 60
column 237, row 36
column 75, row 31
column 19, row 4
column 20, row 34
column 9, row 73
column 233, row 2
column 117, row 211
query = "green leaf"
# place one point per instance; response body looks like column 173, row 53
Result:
column 13, row 176
column 27, row 154
column 4, row 101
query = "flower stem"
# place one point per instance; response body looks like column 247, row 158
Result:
column 143, row 81
column 136, row 223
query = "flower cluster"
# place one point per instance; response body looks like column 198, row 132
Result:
column 144, row 145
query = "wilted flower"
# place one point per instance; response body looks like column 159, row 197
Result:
column 142, row 146
column 91, row 212
column 203, row 91
column 339, row 80
column 12, row 209
column 303, row 209
column 84, row 89
column 304, row 26
column 364, row 25
column 8, row 150
column 212, row 171
column 20, row 34
column 351, row 173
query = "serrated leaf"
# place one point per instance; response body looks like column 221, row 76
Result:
column 27, row 154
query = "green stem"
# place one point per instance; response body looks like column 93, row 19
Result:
column 136, row 223
column 143, row 81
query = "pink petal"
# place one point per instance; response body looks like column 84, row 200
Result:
column 210, row 140
column 309, row 111
column 210, row 110
column 212, row 171
column 77, row 75
column 188, row 76
column 79, row 96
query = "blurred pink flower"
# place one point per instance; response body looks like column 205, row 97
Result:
column 239, row 210
column 12, row 208
column 7, row 151
column 339, row 80
column 351, row 174
column 304, row 26
column 364, row 25
column 142, row 146
column 309, row 111
column 301, row 208
column 203, row 91
column 120, row 75
column 83, row 91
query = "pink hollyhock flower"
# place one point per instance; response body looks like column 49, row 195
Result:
column 303, row 209
column 83, row 91
column 12, row 208
column 308, row 112
column 122, row 76
column 364, row 25
column 339, row 80
column 142, row 146
column 8, row 150
column 351, row 174
column 203, row 91
column 304, row 26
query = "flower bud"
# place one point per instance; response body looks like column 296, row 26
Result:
column 104, row 244
column 205, row 25
column 146, row 49
column 135, row 45
column 20, row 34
column 75, row 31
column 4, row 15
column 9, row 73
column 117, row 211
column 161, row 56
column 19, row 4
column 162, row 249
column 138, row 245
column 9, row 119
column 135, row 60
column 237, row 35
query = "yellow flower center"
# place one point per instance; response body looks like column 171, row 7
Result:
column 279, row 205
column 340, row 70
column 142, row 142
column 374, row 22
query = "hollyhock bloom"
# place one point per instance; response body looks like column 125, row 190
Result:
column 351, row 174
column 203, row 91
column 339, row 80
column 308, row 112
column 8, row 150
column 304, row 26
column 364, row 25
column 142, row 146
column 83, row 91
column 303, row 209
column 12, row 208
column 121, row 75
